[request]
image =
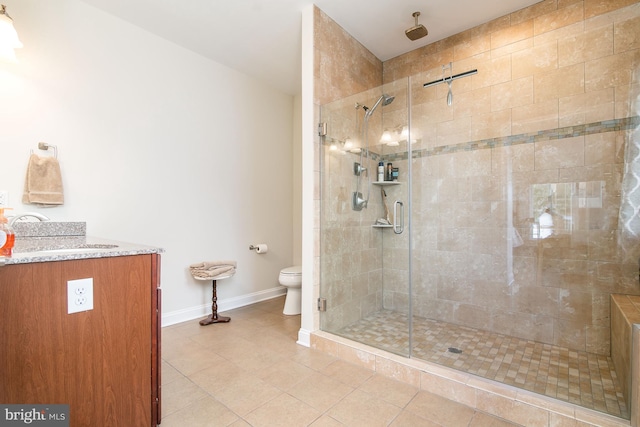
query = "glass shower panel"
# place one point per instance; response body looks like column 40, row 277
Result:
column 364, row 221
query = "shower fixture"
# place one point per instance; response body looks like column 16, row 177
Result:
column 417, row 31
column 384, row 98
column 449, row 80
column 358, row 200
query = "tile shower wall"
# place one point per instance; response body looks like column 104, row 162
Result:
column 546, row 122
column 349, row 255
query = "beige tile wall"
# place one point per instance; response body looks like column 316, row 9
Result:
column 625, row 312
column 349, row 255
column 554, row 65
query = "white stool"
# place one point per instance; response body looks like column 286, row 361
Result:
column 213, row 317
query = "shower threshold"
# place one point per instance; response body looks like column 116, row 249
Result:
column 577, row 377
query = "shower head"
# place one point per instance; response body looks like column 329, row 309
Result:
column 417, row 31
column 384, row 99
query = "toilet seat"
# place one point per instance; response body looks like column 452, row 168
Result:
column 295, row 270
column 291, row 276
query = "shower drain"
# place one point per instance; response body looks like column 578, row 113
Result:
column 454, row 350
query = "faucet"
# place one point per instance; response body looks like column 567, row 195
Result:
column 27, row 214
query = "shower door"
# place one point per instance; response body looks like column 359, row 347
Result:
column 365, row 252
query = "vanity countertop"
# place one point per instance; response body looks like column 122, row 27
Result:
column 46, row 249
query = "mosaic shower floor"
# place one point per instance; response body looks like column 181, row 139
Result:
column 586, row 379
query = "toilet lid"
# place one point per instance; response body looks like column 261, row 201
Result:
column 297, row 269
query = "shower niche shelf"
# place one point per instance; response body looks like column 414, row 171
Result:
column 383, row 183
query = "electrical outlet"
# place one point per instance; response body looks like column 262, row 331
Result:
column 4, row 199
column 79, row 295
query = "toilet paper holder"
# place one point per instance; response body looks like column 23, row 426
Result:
column 259, row 248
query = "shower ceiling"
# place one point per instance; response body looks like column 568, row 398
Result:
column 261, row 38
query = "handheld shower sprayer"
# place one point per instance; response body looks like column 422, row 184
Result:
column 384, row 99
column 358, row 201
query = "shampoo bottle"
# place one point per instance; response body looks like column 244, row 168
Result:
column 381, row 171
column 7, row 237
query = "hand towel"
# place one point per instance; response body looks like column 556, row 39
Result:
column 43, row 184
column 213, row 269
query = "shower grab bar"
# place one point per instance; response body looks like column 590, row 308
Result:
column 398, row 229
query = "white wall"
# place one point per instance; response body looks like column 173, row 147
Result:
column 157, row 145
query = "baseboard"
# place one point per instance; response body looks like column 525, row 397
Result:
column 187, row 314
column 304, row 337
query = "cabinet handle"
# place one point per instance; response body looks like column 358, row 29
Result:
column 398, row 228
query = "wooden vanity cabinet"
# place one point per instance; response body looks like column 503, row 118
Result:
column 104, row 363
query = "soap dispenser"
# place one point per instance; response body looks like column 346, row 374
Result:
column 7, row 236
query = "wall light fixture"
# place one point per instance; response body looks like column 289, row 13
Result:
column 8, row 37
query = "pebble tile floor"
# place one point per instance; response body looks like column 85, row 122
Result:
column 582, row 378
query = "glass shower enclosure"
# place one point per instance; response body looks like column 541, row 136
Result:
column 365, row 226
column 497, row 256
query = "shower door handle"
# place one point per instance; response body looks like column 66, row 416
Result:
column 398, row 228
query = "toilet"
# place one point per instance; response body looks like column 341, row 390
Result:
column 291, row 278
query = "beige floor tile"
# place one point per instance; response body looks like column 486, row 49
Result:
column 206, row 412
column 440, row 410
column 320, row 391
column 218, row 376
column 362, row 409
column 248, row 355
column 236, row 373
column 395, row 392
column 326, row 421
column 169, row 373
column 347, row 373
column 285, row 374
column 409, row 419
column 481, row 419
column 192, row 357
column 180, row 394
column 246, row 394
column 275, row 341
column 314, row 359
column 181, row 330
column 216, row 334
column 284, row 410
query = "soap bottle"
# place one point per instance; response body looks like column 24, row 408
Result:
column 7, row 237
column 389, row 174
column 381, row 171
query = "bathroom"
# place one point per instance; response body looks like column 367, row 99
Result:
column 544, row 126
column 70, row 89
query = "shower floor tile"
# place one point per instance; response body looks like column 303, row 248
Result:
column 586, row 379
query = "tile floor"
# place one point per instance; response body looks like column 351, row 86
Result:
column 250, row 372
column 586, row 379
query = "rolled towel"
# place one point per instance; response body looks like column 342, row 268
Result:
column 213, row 269
column 43, row 184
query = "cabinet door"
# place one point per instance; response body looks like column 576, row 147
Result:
column 97, row 361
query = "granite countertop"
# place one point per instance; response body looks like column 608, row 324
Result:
column 73, row 248
column 37, row 242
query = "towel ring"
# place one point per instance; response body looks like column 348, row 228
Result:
column 45, row 147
